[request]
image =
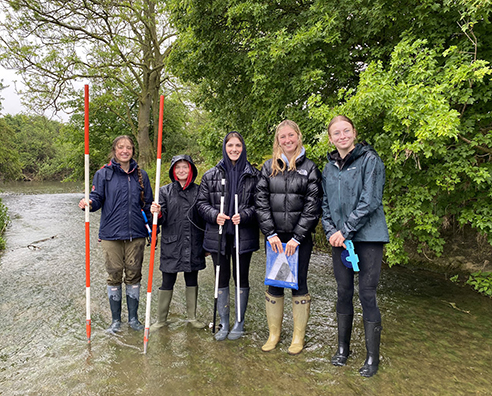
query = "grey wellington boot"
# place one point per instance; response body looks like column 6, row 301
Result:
column 238, row 328
column 114, row 296
column 223, row 309
column 132, row 297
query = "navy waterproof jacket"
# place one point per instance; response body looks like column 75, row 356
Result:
column 289, row 202
column 208, row 204
column 353, row 196
column 181, row 226
column 117, row 193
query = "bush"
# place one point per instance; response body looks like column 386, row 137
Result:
column 481, row 282
column 4, row 222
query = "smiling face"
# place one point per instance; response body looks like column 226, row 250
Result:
column 182, row 170
column 234, row 148
column 342, row 136
column 288, row 140
column 123, row 151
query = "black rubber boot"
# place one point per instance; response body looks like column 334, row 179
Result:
column 223, row 309
column 344, row 334
column 238, row 328
column 132, row 297
column 114, row 296
column 373, row 339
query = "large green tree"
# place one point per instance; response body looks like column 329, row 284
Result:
column 121, row 45
column 257, row 61
column 414, row 75
column 107, row 123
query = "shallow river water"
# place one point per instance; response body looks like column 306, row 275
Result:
column 437, row 336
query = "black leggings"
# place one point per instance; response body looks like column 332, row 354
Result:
column 305, row 249
column 169, row 279
column 370, row 258
column 225, row 265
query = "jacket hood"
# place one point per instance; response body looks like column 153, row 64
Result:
column 241, row 162
column 182, row 157
column 359, row 150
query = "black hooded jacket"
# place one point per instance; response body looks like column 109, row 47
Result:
column 208, row 204
column 181, row 226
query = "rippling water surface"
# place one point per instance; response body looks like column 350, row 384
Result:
column 437, row 337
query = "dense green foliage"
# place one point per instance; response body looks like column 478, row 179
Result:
column 10, row 166
column 119, row 46
column 4, row 222
column 414, row 76
column 481, row 282
column 180, row 133
column 34, row 149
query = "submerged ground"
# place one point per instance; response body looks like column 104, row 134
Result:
column 437, row 337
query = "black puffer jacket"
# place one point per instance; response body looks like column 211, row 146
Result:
column 289, row 202
column 208, row 204
column 181, row 226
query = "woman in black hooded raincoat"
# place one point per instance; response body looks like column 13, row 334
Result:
column 240, row 178
column 181, row 238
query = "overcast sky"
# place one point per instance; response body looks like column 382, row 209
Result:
column 11, row 102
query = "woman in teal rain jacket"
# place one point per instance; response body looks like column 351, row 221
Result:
column 353, row 183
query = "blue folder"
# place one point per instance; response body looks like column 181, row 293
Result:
column 281, row 271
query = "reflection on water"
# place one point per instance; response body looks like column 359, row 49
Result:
column 429, row 347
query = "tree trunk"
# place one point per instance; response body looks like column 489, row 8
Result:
column 145, row 149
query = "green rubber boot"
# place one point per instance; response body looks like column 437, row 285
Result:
column 165, row 297
column 275, row 316
column 191, row 300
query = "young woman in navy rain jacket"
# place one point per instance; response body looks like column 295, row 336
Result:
column 121, row 190
column 181, row 238
column 288, row 206
column 241, row 178
column 353, row 182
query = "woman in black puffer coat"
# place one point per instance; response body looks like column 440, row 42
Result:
column 240, row 178
column 288, row 209
column 181, row 238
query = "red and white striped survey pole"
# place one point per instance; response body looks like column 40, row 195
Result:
column 154, row 225
column 87, row 223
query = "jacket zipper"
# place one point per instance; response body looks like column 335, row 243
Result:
column 130, row 208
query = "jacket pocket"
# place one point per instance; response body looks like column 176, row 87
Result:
column 169, row 238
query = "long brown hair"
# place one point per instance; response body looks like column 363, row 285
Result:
column 278, row 164
column 139, row 172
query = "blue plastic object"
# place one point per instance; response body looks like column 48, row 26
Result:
column 349, row 258
column 147, row 226
column 281, row 271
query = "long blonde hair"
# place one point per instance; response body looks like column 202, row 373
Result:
column 278, row 163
